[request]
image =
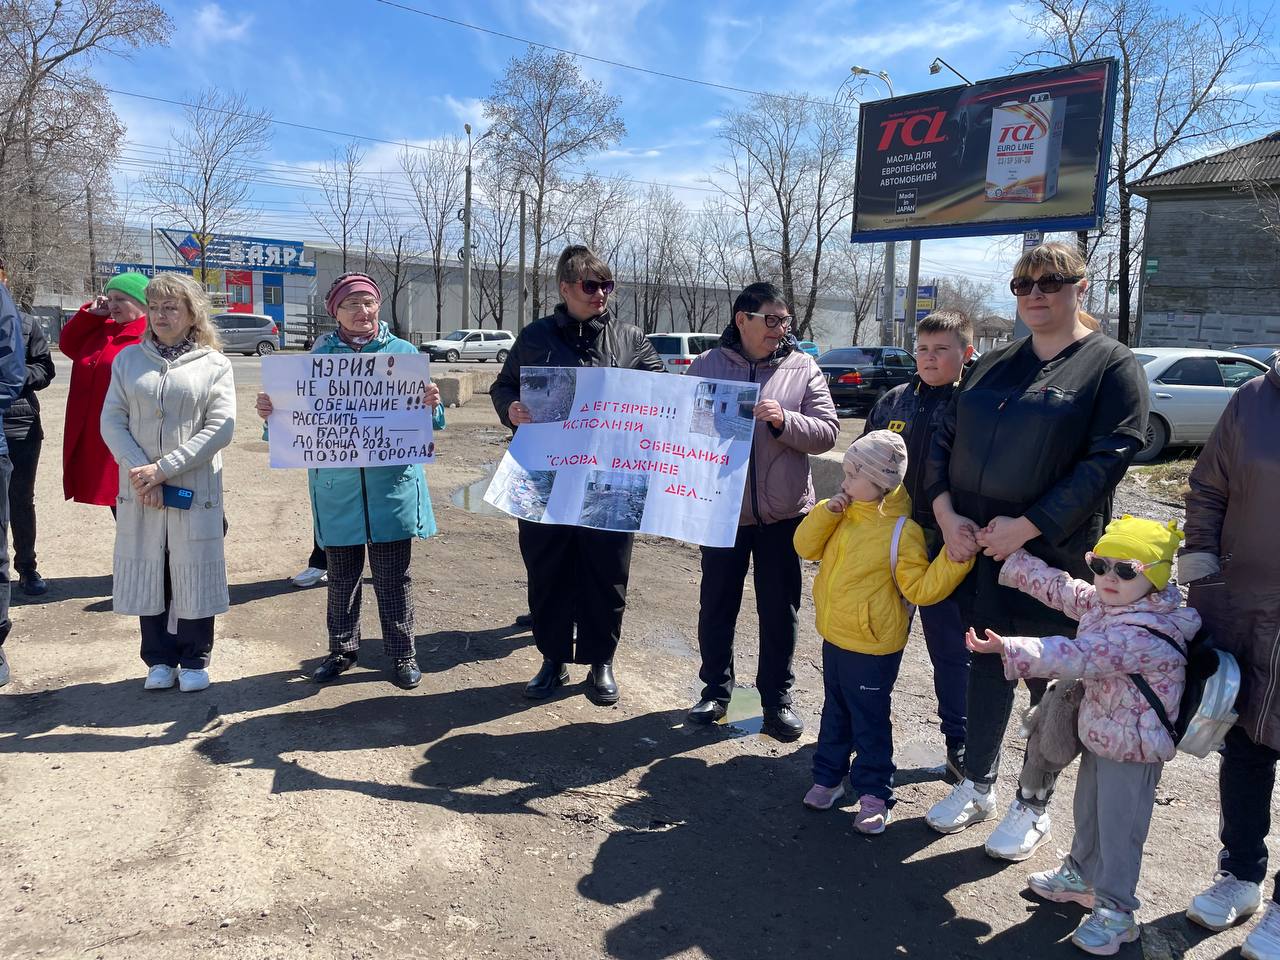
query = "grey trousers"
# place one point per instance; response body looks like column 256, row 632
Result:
column 1112, row 810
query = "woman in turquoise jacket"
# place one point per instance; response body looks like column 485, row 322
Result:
column 378, row 510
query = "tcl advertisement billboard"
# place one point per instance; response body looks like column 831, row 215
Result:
column 1027, row 152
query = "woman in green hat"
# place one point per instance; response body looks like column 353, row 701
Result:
column 92, row 338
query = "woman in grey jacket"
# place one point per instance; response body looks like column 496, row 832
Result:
column 169, row 411
column 795, row 417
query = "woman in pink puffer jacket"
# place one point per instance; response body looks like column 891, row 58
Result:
column 1132, row 621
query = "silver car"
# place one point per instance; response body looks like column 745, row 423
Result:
column 247, row 333
column 479, row 345
column 1189, row 390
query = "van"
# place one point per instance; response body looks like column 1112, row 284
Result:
column 247, row 333
column 677, row 350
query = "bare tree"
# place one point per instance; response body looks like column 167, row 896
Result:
column 1177, row 90
column 397, row 249
column 964, row 295
column 857, row 275
column 346, row 198
column 495, row 231
column 545, row 115
column 437, row 178
column 205, row 180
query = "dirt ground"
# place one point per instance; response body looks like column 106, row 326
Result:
column 269, row 817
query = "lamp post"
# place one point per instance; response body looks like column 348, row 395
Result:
column 890, row 271
column 939, row 63
column 466, row 238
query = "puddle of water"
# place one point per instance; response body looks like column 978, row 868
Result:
column 471, row 497
column 745, row 715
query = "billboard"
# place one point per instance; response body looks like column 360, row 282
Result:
column 228, row 252
column 1019, row 153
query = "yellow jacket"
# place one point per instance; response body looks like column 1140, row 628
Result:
column 859, row 608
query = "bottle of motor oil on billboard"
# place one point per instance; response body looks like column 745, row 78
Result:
column 1025, row 149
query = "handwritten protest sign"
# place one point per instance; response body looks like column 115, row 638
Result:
column 629, row 450
column 348, row 410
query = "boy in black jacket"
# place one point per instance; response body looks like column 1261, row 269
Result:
column 944, row 344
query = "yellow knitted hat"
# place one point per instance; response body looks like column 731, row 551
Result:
column 1147, row 541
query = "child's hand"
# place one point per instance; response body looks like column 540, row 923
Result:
column 994, row 643
column 839, row 503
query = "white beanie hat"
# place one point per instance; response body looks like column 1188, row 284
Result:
column 882, row 455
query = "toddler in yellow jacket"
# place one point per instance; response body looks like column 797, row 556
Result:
column 864, row 620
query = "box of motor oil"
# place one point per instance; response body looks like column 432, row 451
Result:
column 1025, row 149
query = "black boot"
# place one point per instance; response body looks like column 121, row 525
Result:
column 706, row 712
column 783, row 724
column 32, row 584
column 601, row 686
column 544, row 683
column 407, row 674
column 333, row 665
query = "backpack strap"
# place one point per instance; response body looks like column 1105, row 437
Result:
column 1154, row 703
column 893, row 563
column 1166, row 638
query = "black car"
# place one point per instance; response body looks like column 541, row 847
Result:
column 859, row 376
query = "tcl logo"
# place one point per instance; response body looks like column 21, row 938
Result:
column 1021, row 132
column 913, row 131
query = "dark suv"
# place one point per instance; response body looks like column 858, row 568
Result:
column 859, row 376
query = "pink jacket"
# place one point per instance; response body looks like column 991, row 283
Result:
column 779, row 485
column 1112, row 642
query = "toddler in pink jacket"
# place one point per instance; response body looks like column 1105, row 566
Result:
column 1132, row 621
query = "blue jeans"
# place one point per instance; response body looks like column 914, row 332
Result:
column 944, row 637
column 855, row 719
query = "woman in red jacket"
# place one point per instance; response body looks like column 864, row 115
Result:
column 92, row 338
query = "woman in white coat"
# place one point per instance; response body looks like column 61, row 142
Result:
column 170, row 410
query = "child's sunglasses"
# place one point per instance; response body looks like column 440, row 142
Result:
column 592, row 287
column 1125, row 569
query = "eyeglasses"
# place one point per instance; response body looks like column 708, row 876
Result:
column 1049, row 283
column 592, row 287
column 1125, row 569
column 352, row 306
column 771, row 320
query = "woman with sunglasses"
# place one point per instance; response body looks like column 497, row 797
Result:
column 795, row 417
column 577, row 576
column 1028, row 455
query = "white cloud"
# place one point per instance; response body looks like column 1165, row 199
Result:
column 467, row 110
column 213, row 26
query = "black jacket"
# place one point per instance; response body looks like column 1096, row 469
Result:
column 560, row 341
column 1048, row 440
column 22, row 419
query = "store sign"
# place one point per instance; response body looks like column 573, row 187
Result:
column 230, row 252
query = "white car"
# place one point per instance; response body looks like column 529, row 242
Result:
column 677, row 350
column 479, row 345
column 1189, row 390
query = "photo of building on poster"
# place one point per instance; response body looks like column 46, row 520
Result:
column 723, row 410
column 520, row 492
column 614, row 500
column 548, row 392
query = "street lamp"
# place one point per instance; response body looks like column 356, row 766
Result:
column 890, row 271
column 466, row 230
column 939, row 63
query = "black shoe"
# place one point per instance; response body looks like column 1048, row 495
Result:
column 544, row 683
column 407, row 674
column 524, row 620
column 706, row 712
column 32, row 584
column 954, row 771
column 334, row 664
column 601, row 686
column 783, row 724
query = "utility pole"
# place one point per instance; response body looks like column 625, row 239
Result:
column 890, row 267
column 913, row 281
column 520, row 294
column 466, row 238
column 93, row 250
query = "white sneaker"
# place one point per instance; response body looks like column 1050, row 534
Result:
column 161, row 677
column 1225, row 903
column 192, row 680
column 1020, row 833
column 961, row 808
column 1263, row 941
column 310, row 577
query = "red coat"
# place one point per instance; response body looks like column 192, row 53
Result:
column 89, row 472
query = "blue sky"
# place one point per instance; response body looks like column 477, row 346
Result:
column 367, row 68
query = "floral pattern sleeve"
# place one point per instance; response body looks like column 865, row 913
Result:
column 1053, row 587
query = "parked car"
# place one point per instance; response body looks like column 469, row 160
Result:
column 1266, row 352
column 247, row 333
column 677, row 350
column 479, row 345
column 1189, row 390
column 859, row 376
column 809, row 347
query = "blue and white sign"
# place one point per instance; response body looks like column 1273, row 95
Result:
column 106, row 269
column 230, row 252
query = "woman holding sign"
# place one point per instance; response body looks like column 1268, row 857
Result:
column 373, row 510
column 795, row 417
column 577, row 576
column 169, row 411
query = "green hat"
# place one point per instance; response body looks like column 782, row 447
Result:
column 131, row 285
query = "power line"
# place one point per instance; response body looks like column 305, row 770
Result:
column 612, row 63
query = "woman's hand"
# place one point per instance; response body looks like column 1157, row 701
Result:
column 152, row 498
column 839, row 503
column 960, row 535
column 98, row 307
column 145, row 479
column 431, row 396
column 994, row 643
column 770, row 411
column 1003, row 535
column 264, row 407
column 518, row 413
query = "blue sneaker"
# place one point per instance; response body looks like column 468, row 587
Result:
column 1104, row 930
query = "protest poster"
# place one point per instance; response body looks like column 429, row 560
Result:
column 631, row 451
column 348, row 410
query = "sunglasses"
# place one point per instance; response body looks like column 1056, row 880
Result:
column 592, row 287
column 1125, row 569
column 772, row 321
column 1049, row 283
